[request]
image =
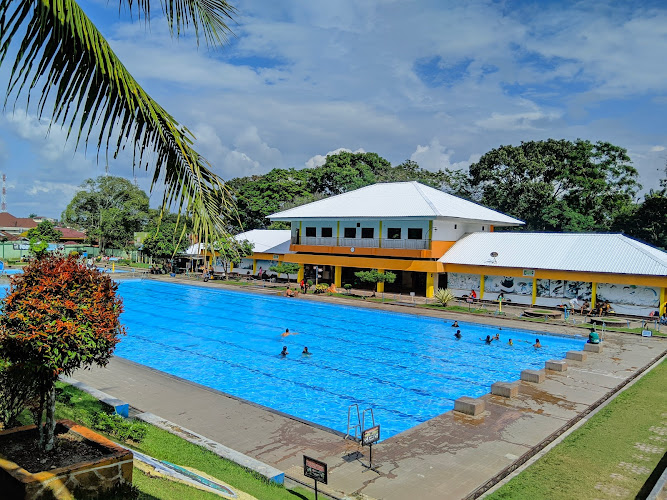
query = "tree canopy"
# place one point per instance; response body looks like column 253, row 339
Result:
column 557, row 185
column 110, row 209
column 167, row 235
column 44, row 232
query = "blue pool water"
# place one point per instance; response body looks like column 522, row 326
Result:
column 407, row 368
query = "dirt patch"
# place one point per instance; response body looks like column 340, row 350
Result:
column 70, row 448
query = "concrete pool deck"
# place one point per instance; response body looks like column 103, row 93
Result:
column 449, row 456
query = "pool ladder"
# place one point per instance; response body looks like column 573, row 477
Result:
column 360, row 426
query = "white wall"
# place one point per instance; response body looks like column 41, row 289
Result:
column 448, row 230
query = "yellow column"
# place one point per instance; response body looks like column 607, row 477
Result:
column 231, row 266
column 380, row 287
column 380, row 235
column 430, row 234
column 254, row 266
column 534, row 291
column 663, row 299
column 338, row 276
column 429, row 285
column 301, row 273
column 481, row 287
column 594, row 293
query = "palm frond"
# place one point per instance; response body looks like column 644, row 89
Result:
column 64, row 59
column 208, row 16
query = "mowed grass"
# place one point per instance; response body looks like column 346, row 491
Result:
column 165, row 446
column 611, row 456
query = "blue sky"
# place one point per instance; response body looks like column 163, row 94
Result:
column 437, row 82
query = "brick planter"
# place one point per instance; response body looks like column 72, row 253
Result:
column 95, row 475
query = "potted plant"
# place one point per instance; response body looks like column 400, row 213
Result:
column 57, row 317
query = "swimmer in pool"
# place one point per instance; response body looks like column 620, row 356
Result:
column 510, row 343
column 537, row 343
column 455, row 324
column 487, row 340
column 458, row 335
column 306, row 352
column 284, row 352
column 287, row 333
column 497, row 337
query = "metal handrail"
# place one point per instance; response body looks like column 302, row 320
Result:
column 363, row 419
column 409, row 244
column 356, row 427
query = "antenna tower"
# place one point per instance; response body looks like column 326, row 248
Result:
column 3, row 207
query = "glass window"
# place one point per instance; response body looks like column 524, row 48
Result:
column 394, row 233
column 310, row 232
column 367, row 232
column 350, row 232
column 327, row 232
column 415, row 233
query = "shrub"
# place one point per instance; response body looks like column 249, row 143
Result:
column 321, row 288
column 443, row 296
column 119, row 427
column 18, row 389
column 347, row 287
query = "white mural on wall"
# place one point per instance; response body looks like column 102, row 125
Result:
column 463, row 282
column 508, row 284
column 629, row 294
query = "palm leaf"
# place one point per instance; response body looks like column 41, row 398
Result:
column 63, row 58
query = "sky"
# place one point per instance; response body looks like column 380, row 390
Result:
column 437, row 82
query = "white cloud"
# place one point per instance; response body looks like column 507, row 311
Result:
column 657, row 149
column 435, row 156
column 319, row 160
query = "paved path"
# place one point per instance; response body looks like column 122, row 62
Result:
column 448, row 456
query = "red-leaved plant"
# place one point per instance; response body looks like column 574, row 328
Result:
column 57, row 317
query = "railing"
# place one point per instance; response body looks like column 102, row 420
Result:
column 363, row 242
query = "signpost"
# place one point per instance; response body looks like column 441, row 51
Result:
column 315, row 469
column 368, row 437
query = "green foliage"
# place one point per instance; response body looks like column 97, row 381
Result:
column 62, row 59
column 18, row 389
column 119, row 427
column 38, row 248
column 109, row 209
column 45, row 232
column 286, row 268
column 443, row 296
column 347, row 287
column 229, row 249
column 557, row 185
column 374, row 276
column 166, row 235
column 321, row 288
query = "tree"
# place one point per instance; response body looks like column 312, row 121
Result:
column 286, row 268
column 110, row 209
column 166, row 235
column 63, row 58
column 58, row 316
column 229, row 249
column 374, row 276
column 45, row 232
column 557, row 185
column 346, row 171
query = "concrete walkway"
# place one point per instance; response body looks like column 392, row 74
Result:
column 449, row 456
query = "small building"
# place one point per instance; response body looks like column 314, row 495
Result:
column 15, row 225
column 432, row 240
column 269, row 248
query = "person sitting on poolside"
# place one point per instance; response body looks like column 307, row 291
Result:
column 537, row 343
column 306, row 351
column 284, row 352
column 289, row 292
column 458, row 335
column 510, row 343
column 593, row 337
column 455, row 324
column 487, row 340
column 585, row 307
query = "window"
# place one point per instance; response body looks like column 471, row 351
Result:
column 482, row 228
column 327, row 232
column 454, row 226
column 394, row 233
column 350, row 232
column 310, row 232
column 415, row 233
column 367, row 232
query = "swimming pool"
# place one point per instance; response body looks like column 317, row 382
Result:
column 407, row 368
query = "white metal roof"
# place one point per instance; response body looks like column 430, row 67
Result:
column 267, row 240
column 602, row 253
column 396, row 200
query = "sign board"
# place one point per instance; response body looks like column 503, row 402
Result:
column 276, row 257
column 529, row 273
column 315, row 469
column 370, row 436
column 647, row 333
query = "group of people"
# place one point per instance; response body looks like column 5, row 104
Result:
column 489, row 338
column 285, row 352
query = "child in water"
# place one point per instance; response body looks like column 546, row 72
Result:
column 458, row 335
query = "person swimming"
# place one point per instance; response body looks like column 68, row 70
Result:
column 286, row 333
column 455, row 324
column 306, row 351
column 510, row 342
column 487, row 340
column 537, row 343
column 497, row 337
column 458, row 335
column 284, row 352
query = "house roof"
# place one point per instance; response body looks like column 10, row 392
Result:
column 8, row 220
column 267, row 240
column 70, row 234
column 396, row 200
column 602, row 253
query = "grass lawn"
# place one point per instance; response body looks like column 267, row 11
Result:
column 611, row 456
column 81, row 407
